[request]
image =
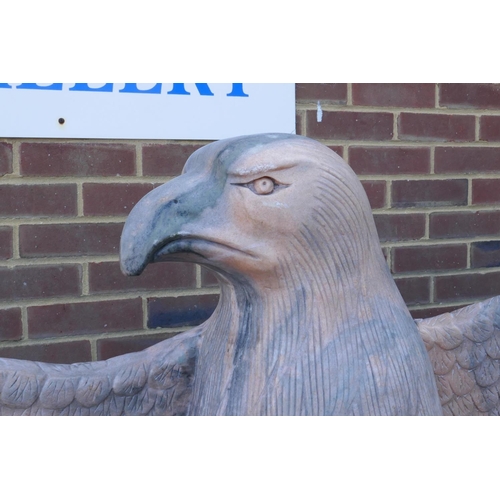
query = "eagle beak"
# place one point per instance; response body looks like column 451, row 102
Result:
column 162, row 216
column 150, row 224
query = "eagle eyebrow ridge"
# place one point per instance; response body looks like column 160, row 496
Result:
column 262, row 168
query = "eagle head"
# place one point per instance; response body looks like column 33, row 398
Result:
column 244, row 206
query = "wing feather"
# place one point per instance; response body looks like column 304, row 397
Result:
column 488, row 372
column 141, row 402
column 470, row 355
column 93, row 390
column 461, row 381
column 465, row 406
column 57, row 393
column 113, row 406
column 130, row 380
column 485, row 400
column 451, row 337
column 20, row 389
column 464, row 349
column 156, row 381
column 446, row 393
column 492, row 347
column 443, row 361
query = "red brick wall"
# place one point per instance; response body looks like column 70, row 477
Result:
column 428, row 156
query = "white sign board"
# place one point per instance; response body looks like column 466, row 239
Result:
column 145, row 111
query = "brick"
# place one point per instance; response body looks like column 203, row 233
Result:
column 61, row 352
column 350, row 125
column 11, row 327
column 77, row 159
column 470, row 95
column 436, row 127
column 5, row 243
column 407, row 95
column 467, row 160
column 166, row 159
column 400, row 227
column 489, row 128
column 431, row 312
column 39, row 282
column 485, row 254
column 5, row 158
column 113, row 199
column 464, row 224
column 109, row 348
column 429, row 193
column 86, row 318
column 375, row 190
column 333, row 92
column 390, row 160
column 467, row 286
column 429, row 258
column 173, row 312
column 69, row 239
column 208, row 278
column 107, row 277
column 485, row 191
column 414, row 290
column 38, row 200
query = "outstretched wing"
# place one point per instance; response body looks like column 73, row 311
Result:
column 464, row 348
column 156, row 381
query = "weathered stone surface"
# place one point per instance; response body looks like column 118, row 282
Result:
column 309, row 321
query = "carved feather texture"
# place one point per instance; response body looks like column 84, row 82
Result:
column 327, row 343
column 156, row 381
column 464, row 348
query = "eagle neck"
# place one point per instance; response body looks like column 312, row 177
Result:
column 313, row 347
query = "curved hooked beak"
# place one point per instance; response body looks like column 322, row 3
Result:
column 159, row 218
column 148, row 226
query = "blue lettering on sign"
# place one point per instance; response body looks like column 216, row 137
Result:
column 237, row 91
column 177, row 88
column 107, row 87
column 132, row 88
column 54, row 86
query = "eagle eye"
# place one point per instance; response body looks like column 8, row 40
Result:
column 264, row 185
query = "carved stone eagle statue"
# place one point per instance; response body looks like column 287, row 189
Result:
column 309, row 321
